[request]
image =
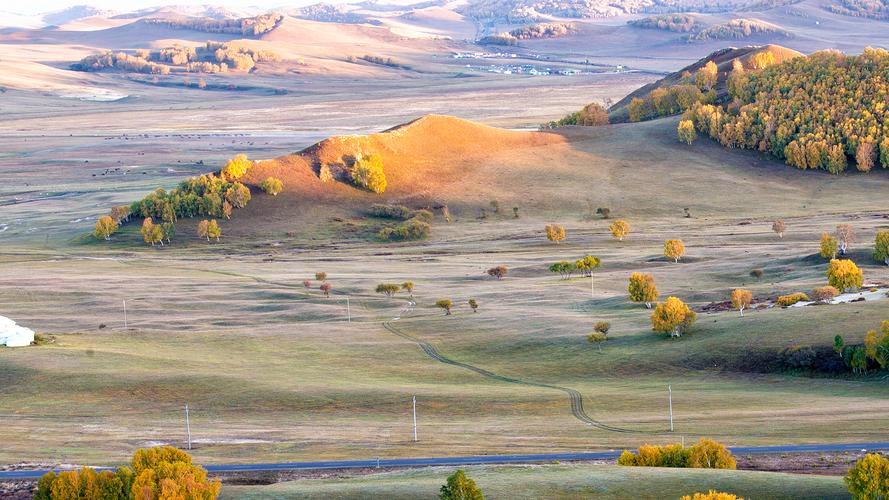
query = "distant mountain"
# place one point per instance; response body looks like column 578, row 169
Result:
column 74, row 13
column 202, row 11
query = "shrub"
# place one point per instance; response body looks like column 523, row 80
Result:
column 413, row 229
column 272, row 186
column 473, row 304
column 789, row 300
column 825, row 293
column 602, row 327
column 368, row 174
column 757, row 273
column 799, row 356
column 712, row 495
column 388, row 288
column 399, row 212
column 498, row 272
column 555, row 233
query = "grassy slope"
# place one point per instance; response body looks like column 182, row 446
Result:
column 557, row 481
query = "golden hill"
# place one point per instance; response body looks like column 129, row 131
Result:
column 428, row 161
column 723, row 58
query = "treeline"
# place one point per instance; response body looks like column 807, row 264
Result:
column 677, row 23
column 213, row 57
column 873, row 9
column 247, row 26
column 535, row 31
column 382, row 61
column 737, row 29
column 667, row 101
column 816, row 112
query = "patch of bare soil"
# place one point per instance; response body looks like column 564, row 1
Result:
column 828, row 464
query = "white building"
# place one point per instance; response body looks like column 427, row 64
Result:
column 13, row 335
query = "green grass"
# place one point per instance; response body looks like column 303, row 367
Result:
column 557, row 481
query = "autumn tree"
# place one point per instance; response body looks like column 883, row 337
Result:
column 408, row 286
column 642, row 289
column 555, row 233
column 235, row 168
column 846, row 236
column 204, row 229
column 868, row 479
column 705, row 78
column 843, row 274
column 320, row 276
column 563, row 268
column 446, row 305
column 326, row 288
column 865, row 156
column 619, row 229
column 741, row 299
column 460, row 487
column 226, row 209
column 272, row 186
column 829, row 246
column 388, row 288
column 105, row 227
column 779, row 227
column 597, row 338
column 213, row 230
column 672, row 316
column 121, row 213
column 498, row 272
column 881, row 247
column 674, row 249
column 710, row 454
column 473, row 304
column 368, row 173
column 152, row 233
column 825, row 293
column 686, row 131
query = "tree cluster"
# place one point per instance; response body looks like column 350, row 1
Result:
column 677, row 23
column 816, row 112
column 592, row 115
column 367, row 173
column 246, row 26
column 737, row 29
column 705, row 454
column 153, row 473
column 667, row 101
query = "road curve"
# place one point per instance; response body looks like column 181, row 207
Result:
column 479, row 460
column 574, row 396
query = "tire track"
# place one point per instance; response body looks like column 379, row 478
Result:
column 574, row 396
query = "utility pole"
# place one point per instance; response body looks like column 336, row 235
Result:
column 670, row 393
column 348, row 310
column 187, row 426
column 415, row 419
column 125, row 314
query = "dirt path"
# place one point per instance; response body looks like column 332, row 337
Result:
column 575, row 397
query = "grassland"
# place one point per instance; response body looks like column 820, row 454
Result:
column 272, row 371
column 557, row 481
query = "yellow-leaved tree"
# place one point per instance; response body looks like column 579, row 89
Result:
column 368, row 173
column 105, row 227
column 237, row 167
column 674, row 249
column 555, row 233
column 869, row 478
column 619, row 229
column 672, row 316
column 881, row 247
column 741, row 299
column 843, row 274
column 642, row 289
column 686, row 131
column 213, row 230
column 829, row 246
column 272, row 186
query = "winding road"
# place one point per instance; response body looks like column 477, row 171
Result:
column 477, row 460
column 574, row 396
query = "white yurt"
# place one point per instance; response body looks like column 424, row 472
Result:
column 13, row 335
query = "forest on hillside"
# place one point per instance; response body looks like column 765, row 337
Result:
column 816, row 112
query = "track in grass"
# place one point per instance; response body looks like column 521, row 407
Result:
column 574, row 396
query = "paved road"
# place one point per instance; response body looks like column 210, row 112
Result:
column 483, row 459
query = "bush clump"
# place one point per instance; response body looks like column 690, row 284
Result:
column 410, row 230
column 705, row 454
column 789, row 300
